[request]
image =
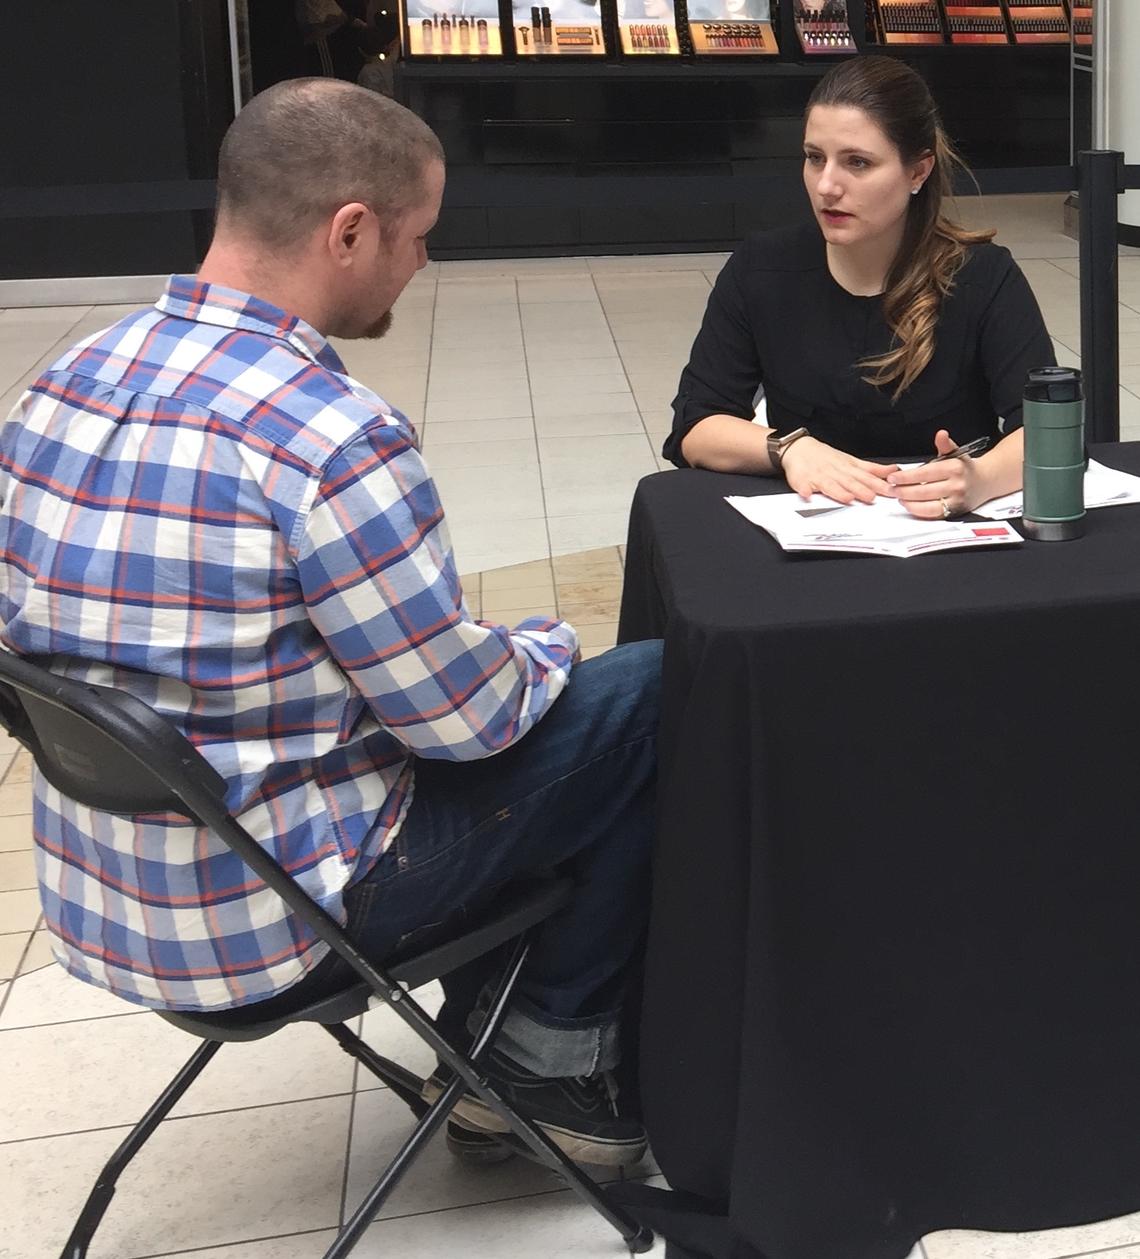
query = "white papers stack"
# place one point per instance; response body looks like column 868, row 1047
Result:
column 1104, row 487
column 878, row 528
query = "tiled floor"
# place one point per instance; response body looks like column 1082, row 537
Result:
column 542, row 391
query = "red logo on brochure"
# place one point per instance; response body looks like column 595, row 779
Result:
column 990, row 531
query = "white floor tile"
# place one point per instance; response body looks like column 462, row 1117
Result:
column 204, row 1181
column 549, row 1225
column 582, row 427
column 516, row 453
column 502, row 494
column 302, row 1246
column 555, row 406
column 52, row 995
column 69, row 1077
column 583, row 533
column 444, row 432
column 1053, row 1244
column 494, row 543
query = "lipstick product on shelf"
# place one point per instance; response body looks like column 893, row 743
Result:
column 481, row 28
column 750, row 38
column 910, row 22
column 977, row 23
column 1082, row 22
column 444, row 33
column 428, row 34
column 822, row 27
column 1032, row 22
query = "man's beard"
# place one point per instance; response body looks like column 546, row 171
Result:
column 375, row 331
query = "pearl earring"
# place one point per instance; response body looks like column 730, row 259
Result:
column 915, row 191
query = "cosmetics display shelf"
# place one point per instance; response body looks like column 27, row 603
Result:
column 707, row 67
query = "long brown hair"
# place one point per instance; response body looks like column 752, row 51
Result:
column 933, row 248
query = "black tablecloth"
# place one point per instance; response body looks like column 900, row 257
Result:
column 893, row 976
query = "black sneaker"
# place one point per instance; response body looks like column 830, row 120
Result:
column 475, row 1148
column 578, row 1113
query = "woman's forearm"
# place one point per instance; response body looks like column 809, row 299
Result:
column 726, row 443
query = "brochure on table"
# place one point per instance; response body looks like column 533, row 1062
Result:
column 1104, row 487
column 879, row 528
column 886, row 528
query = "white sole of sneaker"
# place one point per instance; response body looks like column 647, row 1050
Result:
column 471, row 1113
column 475, row 1116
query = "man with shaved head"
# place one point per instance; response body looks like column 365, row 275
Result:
column 200, row 506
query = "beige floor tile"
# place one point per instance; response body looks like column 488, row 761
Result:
column 38, row 955
column 551, row 373
column 587, row 591
column 21, row 770
column 1053, row 1244
column 601, row 636
column 497, row 601
column 16, row 832
column 570, row 492
column 19, row 911
column 510, row 617
column 601, row 564
column 516, row 576
column 479, row 268
column 8, row 745
column 602, row 380
column 15, row 798
column 204, row 1181
column 601, row 611
column 43, row 1092
column 12, row 950
column 17, row 871
column 51, row 995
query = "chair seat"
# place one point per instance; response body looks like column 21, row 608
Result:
column 508, row 916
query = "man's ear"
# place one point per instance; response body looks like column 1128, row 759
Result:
column 346, row 230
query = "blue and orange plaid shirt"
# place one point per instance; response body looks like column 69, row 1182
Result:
column 200, row 506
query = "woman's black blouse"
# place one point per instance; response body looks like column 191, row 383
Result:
column 777, row 318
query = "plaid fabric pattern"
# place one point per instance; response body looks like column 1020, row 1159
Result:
column 199, row 505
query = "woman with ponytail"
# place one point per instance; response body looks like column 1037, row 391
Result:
column 881, row 330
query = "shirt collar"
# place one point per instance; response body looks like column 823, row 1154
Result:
column 187, row 297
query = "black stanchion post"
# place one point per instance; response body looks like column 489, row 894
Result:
column 1101, row 175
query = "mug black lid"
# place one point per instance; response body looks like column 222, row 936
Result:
column 1054, row 384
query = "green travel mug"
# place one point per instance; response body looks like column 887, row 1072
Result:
column 1054, row 468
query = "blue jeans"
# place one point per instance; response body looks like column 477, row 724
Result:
column 575, row 794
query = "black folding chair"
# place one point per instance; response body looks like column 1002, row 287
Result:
column 110, row 751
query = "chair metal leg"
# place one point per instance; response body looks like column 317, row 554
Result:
column 467, row 1075
column 404, row 1083
column 100, row 1197
column 364, row 1214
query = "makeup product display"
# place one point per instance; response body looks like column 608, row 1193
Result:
column 822, row 27
column 1031, row 22
column 739, row 28
column 1082, row 22
column 648, row 27
column 977, row 24
column 474, row 32
column 543, row 32
column 909, row 22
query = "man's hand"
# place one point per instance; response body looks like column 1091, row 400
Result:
column 812, row 467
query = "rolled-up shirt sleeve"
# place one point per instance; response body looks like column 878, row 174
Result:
column 724, row 369
column 379, row 580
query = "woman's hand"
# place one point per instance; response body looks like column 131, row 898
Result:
column 812, row 467
column 937, row 491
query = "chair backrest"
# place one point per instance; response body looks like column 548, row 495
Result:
column 103, row 747
column 109, row 751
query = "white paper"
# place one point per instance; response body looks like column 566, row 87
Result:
column 1104, row 487
column 879, row 528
